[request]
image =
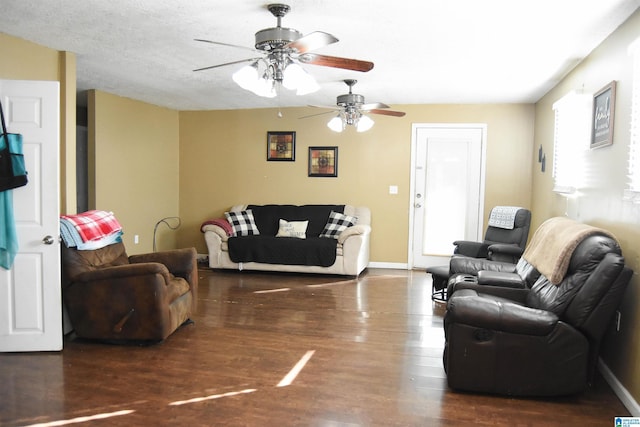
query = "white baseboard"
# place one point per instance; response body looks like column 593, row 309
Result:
column 390, row 265
column 623, row 394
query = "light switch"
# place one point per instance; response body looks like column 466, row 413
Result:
column 393, row 189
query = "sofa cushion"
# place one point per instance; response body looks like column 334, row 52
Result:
column 296, row 229
column 283, row 250
column 243, row 223
column 336, row 224
column 267, row 216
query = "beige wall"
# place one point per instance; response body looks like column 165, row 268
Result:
column 23, row 60
column 223, row 162
column 599, row 199
column 134, row 172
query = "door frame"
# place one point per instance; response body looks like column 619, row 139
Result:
column 412, row 185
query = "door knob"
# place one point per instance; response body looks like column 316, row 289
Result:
column 48, row 240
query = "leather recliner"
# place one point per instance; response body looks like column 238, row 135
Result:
column 541, row 340
column 503, row 245
column 114, row 297
column 499, row 244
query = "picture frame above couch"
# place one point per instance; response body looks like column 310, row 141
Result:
column 281, row 146
column 323, row 162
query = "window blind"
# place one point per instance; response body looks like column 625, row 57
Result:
column 634, row 134
column 571, row 138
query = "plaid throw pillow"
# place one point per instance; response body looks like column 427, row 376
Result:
column 242, row 222
column 336, row 224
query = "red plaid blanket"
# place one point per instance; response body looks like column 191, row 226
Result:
column 94, row 225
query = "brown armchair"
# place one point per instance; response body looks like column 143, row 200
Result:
column 115, row 297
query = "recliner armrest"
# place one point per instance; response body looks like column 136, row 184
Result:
column 500, row 278
column 467, row 265
column 177, row 261
column 485, row 312
column 470, row 248
column 122, row 271
column 505, row 248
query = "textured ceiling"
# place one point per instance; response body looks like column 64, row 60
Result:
column 424, row 51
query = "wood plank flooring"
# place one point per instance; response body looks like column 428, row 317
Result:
column 280, row 350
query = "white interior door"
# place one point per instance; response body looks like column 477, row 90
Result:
column 30, row 294
column 448, row 190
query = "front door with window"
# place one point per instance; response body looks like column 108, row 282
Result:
column 448, row 190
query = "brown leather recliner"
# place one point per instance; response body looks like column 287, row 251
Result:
column 541, row 340
column 115, row 297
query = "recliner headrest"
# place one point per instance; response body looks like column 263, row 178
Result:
column 591, row 251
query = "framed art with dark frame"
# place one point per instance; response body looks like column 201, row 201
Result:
column 281, row 146
column 604, row 103
column 323, row 161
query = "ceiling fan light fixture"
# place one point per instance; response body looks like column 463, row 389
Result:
column 336, row 124
column 247, row 76
column 364, row 123
column 265, row 87
column 296, row 78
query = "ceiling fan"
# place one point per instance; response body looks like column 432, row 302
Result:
column 351, row 108
column 282, row 50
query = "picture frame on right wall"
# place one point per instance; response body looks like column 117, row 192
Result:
column 604, row 103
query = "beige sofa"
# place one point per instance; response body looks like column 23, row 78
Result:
column 352, row 249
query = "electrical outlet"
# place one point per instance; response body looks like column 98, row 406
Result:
column 618, row 318
column 136, row 239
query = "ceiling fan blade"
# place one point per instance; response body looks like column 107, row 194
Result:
column 373, row 106
column 388, row 112
column 311, row 41
column 227, row 63
column 319, row 114
column 336, row 62
column 227, row 44
column 330, row 107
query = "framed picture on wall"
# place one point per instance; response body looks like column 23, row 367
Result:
column 281, row 146
column 604, row 103
column 323, row 161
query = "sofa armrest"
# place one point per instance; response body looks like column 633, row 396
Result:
column 354, row 230
column 217, row 230
column 496, row 314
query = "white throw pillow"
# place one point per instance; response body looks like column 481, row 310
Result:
column 296, row 229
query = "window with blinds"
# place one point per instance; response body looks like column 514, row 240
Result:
column 633, row 190
column 571, row 139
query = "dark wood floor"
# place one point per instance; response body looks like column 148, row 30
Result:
column 366, row 351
